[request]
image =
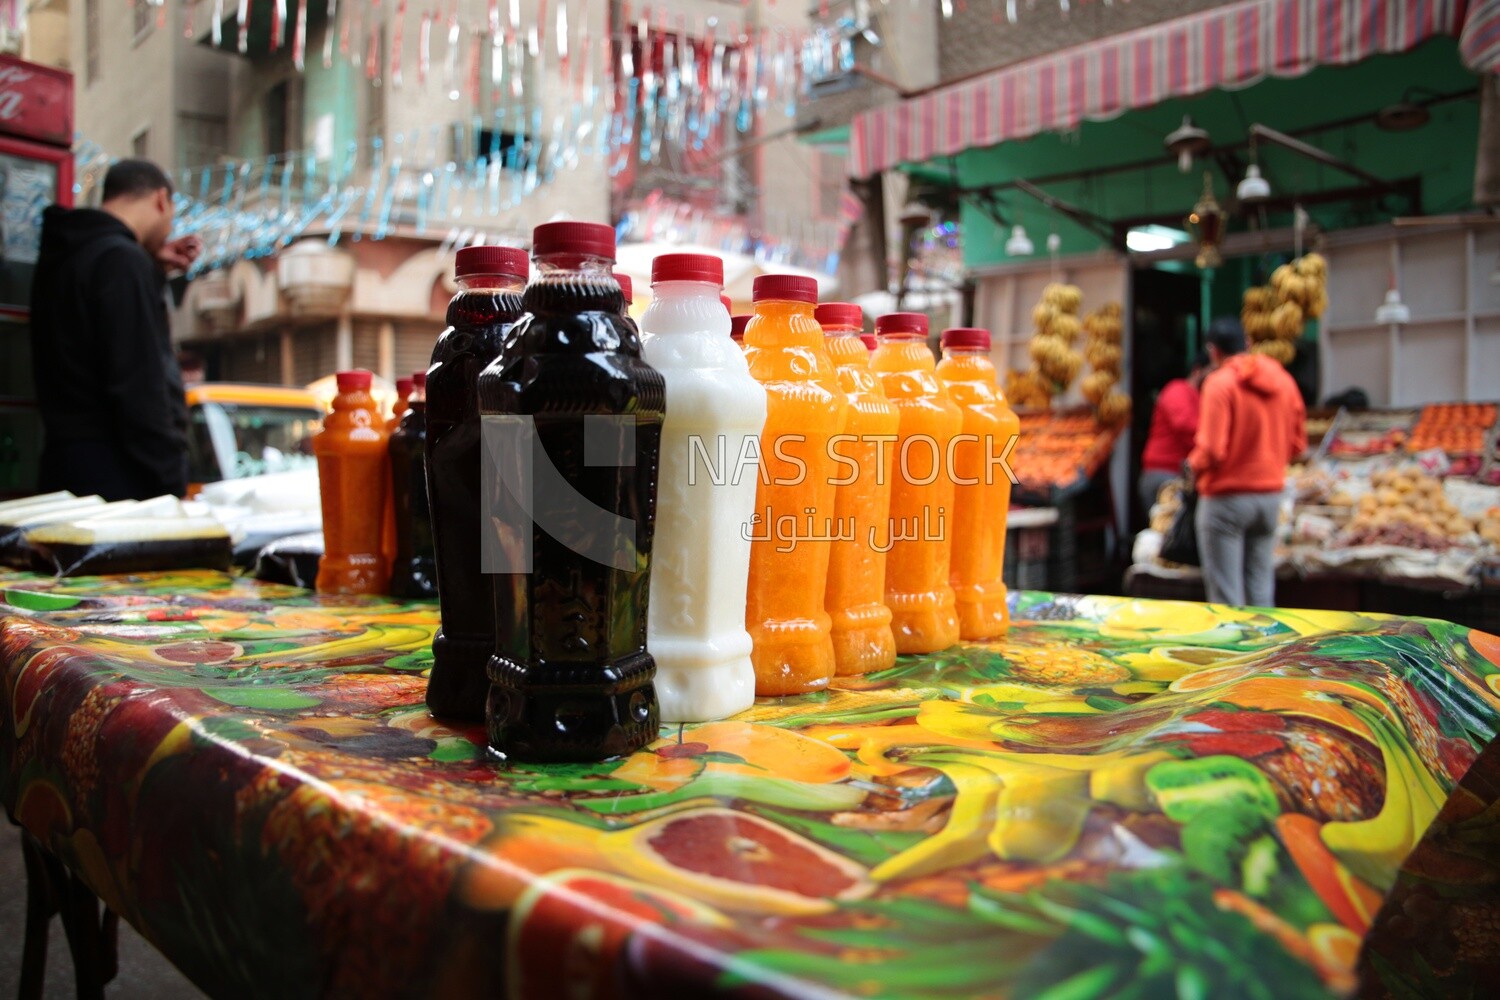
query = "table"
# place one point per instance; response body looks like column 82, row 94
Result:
column 1123, row 797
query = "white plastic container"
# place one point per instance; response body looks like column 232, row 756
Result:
column 700, row 561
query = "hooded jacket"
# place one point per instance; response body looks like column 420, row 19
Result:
column 1251, row 425
column 107, row 382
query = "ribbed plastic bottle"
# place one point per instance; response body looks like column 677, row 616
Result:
column 413, row 570
column 794, row 501
column 571, row 678
column 700, row 558
column 490, row 279
column 737, row 326
column 920, row 533
column 352, row 485
column 855, row 595
column 981, row 497
column 388, row 530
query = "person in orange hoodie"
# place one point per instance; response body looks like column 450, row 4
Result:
column 1251, row 424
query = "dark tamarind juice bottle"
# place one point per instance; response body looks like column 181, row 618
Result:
column 490, row 280
column 572, row 424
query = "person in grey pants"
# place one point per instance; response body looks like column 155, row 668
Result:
column 1252, row 422
column 1237, row 547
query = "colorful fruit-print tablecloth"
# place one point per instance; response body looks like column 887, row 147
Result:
column 1122, row 798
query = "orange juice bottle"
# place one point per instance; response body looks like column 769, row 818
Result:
column 352, row 483
column 982, row 488
column 855, row 595
column 919, row 534
column 794, row 500
column 737, row 326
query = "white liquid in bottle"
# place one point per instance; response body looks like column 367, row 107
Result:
column 695, row 625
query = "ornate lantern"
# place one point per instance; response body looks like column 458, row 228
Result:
column 1206, row 225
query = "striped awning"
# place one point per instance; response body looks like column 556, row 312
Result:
column 1228, row 47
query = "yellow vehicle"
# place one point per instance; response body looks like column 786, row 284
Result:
column 236, row 431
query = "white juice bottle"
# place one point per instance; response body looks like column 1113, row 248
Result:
column 700, row 562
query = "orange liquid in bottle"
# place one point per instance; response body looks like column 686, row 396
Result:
column 352, row 483
column 855, row 595
column 793, row 650
column 920, row 533
column 982, row 489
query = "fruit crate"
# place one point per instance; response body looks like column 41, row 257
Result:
column 1059, row 453
column 1464, row 432
column 1360, row 434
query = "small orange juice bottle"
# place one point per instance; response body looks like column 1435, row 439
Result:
column 855, row 596
column 352, row 484
column 920, row 531
column 982, row 489
column 794, row 500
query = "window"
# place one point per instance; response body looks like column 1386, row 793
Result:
column 145, row 18
column 233, row 441
column 91, row 39
column 140, row 144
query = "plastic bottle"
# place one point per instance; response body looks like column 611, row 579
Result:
column 981, row 497
column 737, row 326
column 388, row 517
column 404, row 387
column 627, row 289
column 701, row 554
column 920, row 533
column 413, row 569
column 794, row 501
column 490, row 279
column 571, row 678
column 352, row 483
column 855, row 595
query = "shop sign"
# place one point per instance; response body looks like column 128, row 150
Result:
column 36, row 102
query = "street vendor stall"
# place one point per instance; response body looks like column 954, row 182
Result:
column 1397, row 509
column 1121, row 796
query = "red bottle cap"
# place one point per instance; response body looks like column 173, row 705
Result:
column 687, row 267
column 785, row 288
column 358, row 380
column 404, row 387
column 962, row 337
column 728, row 302
column 580, row 239
column 419, row 380
column 737, row 326
column 901, row 323
column 840, row 314
column 871, row 341
column 626, row 286
column 509, row 261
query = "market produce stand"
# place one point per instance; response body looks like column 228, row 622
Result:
column 1165, row 798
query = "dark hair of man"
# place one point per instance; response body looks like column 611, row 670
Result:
column 1227, row 335
column 1201, row 360
column 134, row 179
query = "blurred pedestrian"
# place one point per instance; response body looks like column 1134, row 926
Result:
column 107, row 381
column 1174, row 423
column 1251, row 425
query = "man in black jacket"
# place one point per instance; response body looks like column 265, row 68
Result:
column 107, row 380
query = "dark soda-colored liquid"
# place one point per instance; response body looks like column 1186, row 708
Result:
column 413, row 570
column 571, row 678
column 477, row 320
